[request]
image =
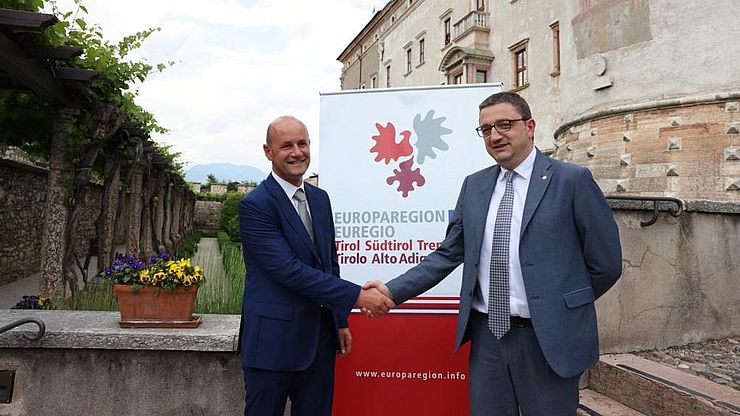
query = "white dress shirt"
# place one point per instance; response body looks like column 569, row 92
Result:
column 517, row 294
column 290, row 189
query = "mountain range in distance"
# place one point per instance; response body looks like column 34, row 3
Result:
column 224, row 173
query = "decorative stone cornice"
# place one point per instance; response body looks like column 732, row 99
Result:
column 650, row 105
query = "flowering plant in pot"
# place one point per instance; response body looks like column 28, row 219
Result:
column 159, row 294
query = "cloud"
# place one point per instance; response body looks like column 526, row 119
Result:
column 239, row 65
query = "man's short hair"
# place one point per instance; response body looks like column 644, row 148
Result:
column 516, row 101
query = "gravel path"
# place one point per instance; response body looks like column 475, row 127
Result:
column 715, row 360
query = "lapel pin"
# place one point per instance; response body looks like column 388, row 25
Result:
column 543, row 177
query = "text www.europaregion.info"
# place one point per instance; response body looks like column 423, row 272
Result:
column 412, row 375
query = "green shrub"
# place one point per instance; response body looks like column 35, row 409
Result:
column 188, row 246
column 230, row 215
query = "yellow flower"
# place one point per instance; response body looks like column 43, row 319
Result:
column 144, row 276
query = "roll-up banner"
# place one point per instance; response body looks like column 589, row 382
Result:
column 393, row 161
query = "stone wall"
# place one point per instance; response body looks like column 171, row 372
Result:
column 668, row 149
column 22, row 196
column 22, row 199
column 86, row 365
column 679, row 281
column 207, row 216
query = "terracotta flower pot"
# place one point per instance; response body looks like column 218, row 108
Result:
column 147, row 308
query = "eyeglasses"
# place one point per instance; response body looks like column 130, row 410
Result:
column 501, row 126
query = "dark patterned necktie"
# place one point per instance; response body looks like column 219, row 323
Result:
column 300, row 196
column 498, row 292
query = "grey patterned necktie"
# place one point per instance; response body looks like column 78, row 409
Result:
column 300, row 196
column 499, row 319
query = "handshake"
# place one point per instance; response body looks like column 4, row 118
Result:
column 375, row 299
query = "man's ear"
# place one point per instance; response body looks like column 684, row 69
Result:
column 531, row 124
column 268, row 152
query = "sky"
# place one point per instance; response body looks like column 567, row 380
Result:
column 239, row 65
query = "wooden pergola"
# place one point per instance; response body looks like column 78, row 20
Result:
column 27, row 64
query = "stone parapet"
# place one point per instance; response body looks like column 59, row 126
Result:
column 86, row 365
column 100, row 330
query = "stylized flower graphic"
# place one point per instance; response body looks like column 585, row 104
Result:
column 386, row 146
column 429, row 132
column 406, row 177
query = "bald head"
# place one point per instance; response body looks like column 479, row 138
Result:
column 283, row 122
column 288, row 148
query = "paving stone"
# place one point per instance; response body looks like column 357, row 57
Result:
column 713, row 359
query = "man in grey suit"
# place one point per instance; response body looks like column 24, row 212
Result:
column 539, row 245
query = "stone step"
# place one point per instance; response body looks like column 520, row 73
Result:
column 656, row 389
column 592, row 403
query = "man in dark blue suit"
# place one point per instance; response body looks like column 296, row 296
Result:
column 294, row 316
column 539, row 245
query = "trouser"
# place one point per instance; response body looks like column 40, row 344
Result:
column 311, row 390
column 511, row 374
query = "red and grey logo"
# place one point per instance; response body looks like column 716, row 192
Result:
column 427, row 139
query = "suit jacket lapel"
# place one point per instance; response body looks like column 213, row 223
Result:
column 485, row 190
column 538, row 183
column 289, row 212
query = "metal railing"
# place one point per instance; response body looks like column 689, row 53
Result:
column 31, row 320
column 675, row 212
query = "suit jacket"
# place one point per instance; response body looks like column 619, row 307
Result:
column 569, row 253
column 289, row 279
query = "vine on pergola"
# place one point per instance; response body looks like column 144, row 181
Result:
column 93, row 113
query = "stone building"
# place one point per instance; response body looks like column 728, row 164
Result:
column 218, row 189
column 244, row 188
column 645, row 93
column 637, row 90
column 195, row 186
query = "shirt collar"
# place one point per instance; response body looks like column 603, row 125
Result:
column 288, row 187
column 525, row 168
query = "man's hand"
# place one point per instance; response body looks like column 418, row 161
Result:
column 345, row 341
column 374, row 302
column 378, row 285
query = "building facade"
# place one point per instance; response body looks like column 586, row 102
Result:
column 644, row 92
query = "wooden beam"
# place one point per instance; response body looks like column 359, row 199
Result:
column 28, row 72
column 74, row 74
column 51, row 51
column 18, row 19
